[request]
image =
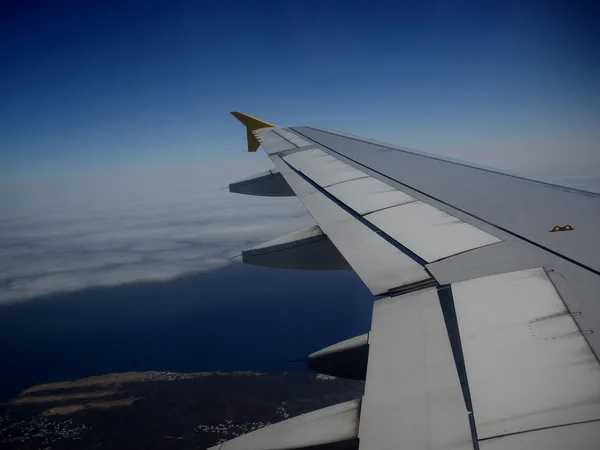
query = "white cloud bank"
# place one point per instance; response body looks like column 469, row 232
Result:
column 58, row 236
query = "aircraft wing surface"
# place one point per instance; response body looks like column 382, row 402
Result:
column 485, row 329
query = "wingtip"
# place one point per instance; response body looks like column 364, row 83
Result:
column 251, row 124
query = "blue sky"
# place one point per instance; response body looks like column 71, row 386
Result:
column 110, row 86
column 115, row 143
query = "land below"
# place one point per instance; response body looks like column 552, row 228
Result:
column 161, row 410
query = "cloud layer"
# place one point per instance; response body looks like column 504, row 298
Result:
column 58, row 236
column 65, row 235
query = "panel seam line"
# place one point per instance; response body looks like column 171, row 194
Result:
column 393, row 206
column 408, row 288
column 284, row 138
column 539, row 429
column 346, row 181
column 358, row 217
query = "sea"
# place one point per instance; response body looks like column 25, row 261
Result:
column 234, row 318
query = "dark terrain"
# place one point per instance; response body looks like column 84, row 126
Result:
column 161, row 410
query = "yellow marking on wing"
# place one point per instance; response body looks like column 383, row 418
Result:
column 251, row 124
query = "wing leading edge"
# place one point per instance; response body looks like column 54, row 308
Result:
column 483, row 326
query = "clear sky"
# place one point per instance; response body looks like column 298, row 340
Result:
column 101, row 86
column 116, row 141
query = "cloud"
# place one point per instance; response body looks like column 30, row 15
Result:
column 65, row 235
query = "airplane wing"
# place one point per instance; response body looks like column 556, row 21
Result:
column 485, row 329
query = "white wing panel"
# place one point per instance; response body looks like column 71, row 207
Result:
column 581, row 436
column 308, row 157
column 430, row 233
column 413, row 399
column 293, row 138
column 333, row 173
column 379, row 264
column 322, row 168
column 271, row 142
column 310, row 160
column 366, row 195
column 527, row 362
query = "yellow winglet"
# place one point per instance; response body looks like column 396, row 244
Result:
column 251, row 124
